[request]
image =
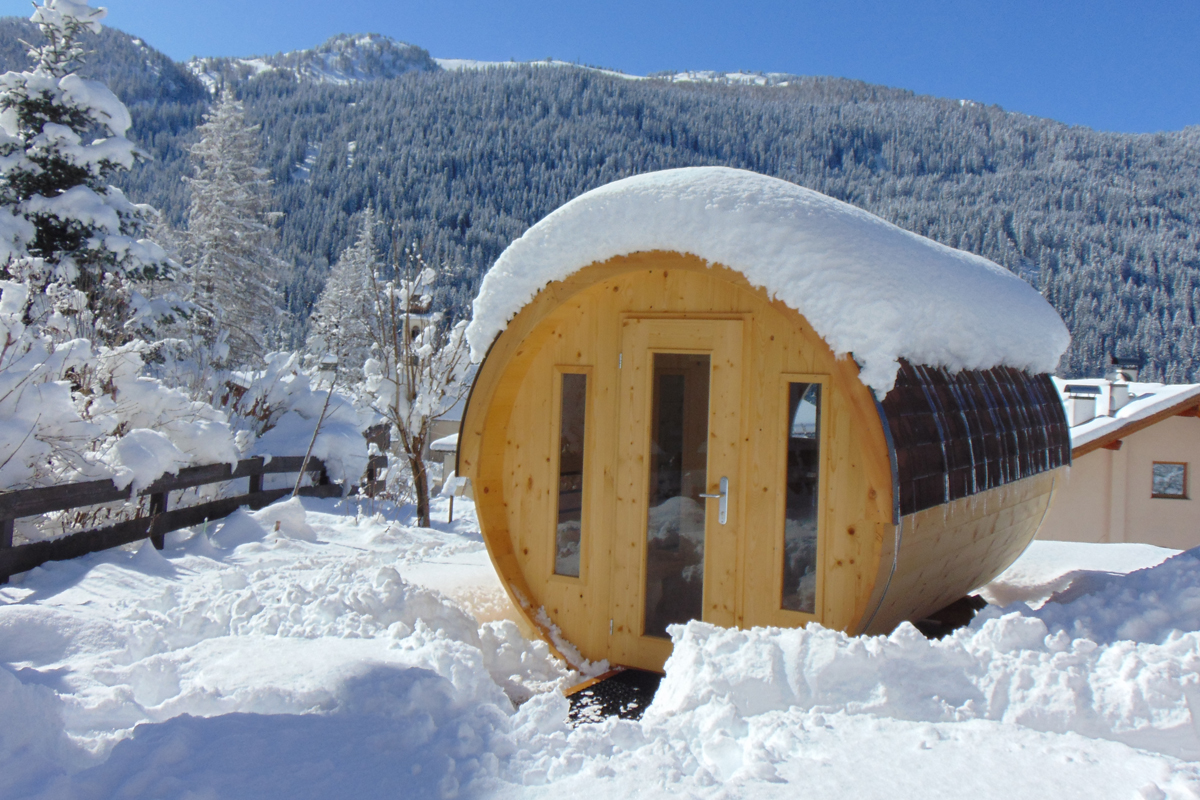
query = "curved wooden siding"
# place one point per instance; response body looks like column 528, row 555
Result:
column 508, row 430
column 945, row 550
column 962, row 433
column 948, row 551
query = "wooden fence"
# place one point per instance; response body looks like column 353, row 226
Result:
column 160, row 520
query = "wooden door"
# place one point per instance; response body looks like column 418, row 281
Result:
column 678, row 482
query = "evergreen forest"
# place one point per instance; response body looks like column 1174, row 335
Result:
column 1105, row 225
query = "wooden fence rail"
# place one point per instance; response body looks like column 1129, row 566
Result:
column 161, row 520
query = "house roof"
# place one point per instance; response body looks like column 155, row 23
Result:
column 1150, row 403
column 866, row 286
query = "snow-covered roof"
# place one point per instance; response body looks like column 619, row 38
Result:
column 866, row 286
column 446, row 444
column 1147, row 400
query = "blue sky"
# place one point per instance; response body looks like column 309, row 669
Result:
column 1129, row 66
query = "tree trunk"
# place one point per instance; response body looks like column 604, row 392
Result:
column 420, row 488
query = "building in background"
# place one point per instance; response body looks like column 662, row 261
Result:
column 1135, row 448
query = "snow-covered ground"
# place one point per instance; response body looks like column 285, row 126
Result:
column 316, row 650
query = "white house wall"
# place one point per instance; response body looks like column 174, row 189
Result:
column 1106, row 496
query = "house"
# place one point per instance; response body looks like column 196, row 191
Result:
column 709, row 394
column 1134, row 449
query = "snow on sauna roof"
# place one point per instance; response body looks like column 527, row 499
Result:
column 866, row 286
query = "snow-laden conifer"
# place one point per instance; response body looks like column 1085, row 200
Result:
column 73, row 401
column 231, row 232
column 342, row 319
column 73, row 239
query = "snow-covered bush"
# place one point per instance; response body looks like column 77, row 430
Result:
column 277, row 408
column 419, row 365
column 74, row 411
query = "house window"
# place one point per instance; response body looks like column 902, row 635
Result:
column 800, row 512
column 1170, row 480
column 569, row 530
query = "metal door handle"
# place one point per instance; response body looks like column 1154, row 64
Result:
column 723, row 498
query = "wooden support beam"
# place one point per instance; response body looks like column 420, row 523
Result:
column 158, row 505
column 1113, row 445
column 6, row 537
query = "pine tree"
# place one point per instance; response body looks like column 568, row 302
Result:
column 231, row 233
column 70, row 237
column 341, row 321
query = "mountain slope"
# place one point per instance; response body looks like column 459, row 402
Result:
column 345, row 58
column 1106, row 225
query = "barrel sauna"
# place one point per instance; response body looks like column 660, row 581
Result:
column 664, row 426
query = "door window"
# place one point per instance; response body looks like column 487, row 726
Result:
column 678, row 476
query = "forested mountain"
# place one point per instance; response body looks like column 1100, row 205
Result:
column 1106, row 225
column 342, row 59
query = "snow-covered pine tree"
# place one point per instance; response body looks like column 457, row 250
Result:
column 341, row 321
column 419, row 366
column 231, row 233
column 71, row 238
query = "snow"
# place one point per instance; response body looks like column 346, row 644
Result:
column 348, row 654
column 56, row 12
column 1146, row 400
column 1150, row 605
column 77, row 203
column 446, row 444
column 1048, row 567
column 143, row 455
column 729, row 78
column 866, row 286
column 99, row 100
column 457, row 64
column 296, row 403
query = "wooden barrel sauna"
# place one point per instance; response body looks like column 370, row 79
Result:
column 653, row 438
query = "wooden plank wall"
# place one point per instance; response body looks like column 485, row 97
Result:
column 948, row 551
column 509, row 436
column 509, row 431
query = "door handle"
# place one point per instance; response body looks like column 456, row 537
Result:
column 722, row 501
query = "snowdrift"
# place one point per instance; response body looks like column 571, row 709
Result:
column 284, row 664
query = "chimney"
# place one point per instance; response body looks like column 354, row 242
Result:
column 1118, row 397
column 1081, row 403
column 1120, row 373
column 1123, row 370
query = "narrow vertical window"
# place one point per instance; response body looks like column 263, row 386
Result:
column 676, row 513
column 569, row 531
column 800, row 515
